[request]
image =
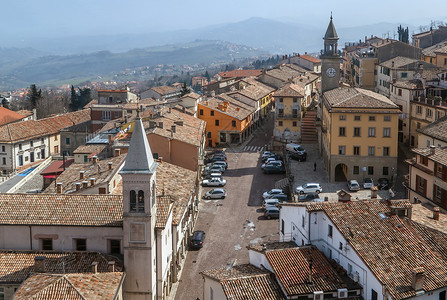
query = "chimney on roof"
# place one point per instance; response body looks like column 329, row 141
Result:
column 94, row 267
column 310, row 279
column 213, row 93
column 111, row 266
column 117, row 152
column 432, row 149
column 78, row 186
column 39, row 264
column 95, row 159
column 436, row 213
column 81, row 174
column 84, row 184
column 418, row 278
column 59, row 187
column 92, row 181
column 392, row 64
column 110, row 164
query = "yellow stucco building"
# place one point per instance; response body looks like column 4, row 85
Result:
column 288, row 102
column 359, row 134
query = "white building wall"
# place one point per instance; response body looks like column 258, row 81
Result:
column 330, row 246
column 259, row 260
column 63, row 237
column 212, row 290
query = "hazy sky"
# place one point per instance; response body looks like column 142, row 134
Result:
column 73, row 17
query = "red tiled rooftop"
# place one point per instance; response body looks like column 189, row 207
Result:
column 9, row 116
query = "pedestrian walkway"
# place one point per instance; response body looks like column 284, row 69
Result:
column 253, row 149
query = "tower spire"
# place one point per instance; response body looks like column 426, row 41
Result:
column 139, row 157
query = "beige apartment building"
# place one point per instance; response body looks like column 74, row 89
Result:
column 427, row 179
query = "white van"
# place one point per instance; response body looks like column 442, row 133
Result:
column 295, row 148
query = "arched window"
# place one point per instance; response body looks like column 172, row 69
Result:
column 133, row 200
column 140, row 201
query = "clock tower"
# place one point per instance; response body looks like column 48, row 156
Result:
column 330, row 60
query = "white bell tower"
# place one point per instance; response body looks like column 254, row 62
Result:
column 139, row 216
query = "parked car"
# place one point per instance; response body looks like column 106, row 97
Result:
column 215, row 158
column 299, row 156
column 215, row 181
column 215, row 194
column 274, row 156
column 308, row 197
column 272, row 162
column 221, row 163
column 272, row 192
column 295, row 148
column 266, row 154
column 353, row 185
column 274, row 169
column 269, row 159
column 197, row 239
column 308, row 188
column 383, row 184
column 271, row 212
column 271, row 202
column 211, row 175
column 215, row 168
column 280, row 197
column 368, row 183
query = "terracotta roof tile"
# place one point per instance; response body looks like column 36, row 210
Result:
column 290, row 90
column 240, row 73
column 311, row 58
column 244, row 282
column 32, row 129
column 235, row 108
column 184, row 181
column 430, row 51
column 70, row 286
column 16, row 266
column 391, row 247
column 9, row 116
column 436, row 154
column 399, row 62
column 61, row 209
column 291, row 267
column 437, row 129
column 162, row 90
column 164, row 207
column 344, row 97
column 100, row 171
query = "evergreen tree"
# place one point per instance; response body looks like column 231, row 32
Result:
column 207, row 75
column 5, row 103
column 74, row 100
column 85, row 96
column 33, row 96
column 185, row 90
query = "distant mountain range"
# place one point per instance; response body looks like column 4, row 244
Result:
column 50, row 69
column 67, row 58
column 276, row 37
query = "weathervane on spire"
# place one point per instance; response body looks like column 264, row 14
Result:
column 331, row 15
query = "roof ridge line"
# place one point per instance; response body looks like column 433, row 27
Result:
column 72, row 285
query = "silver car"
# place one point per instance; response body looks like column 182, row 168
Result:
column 308, row 188
column 215, row 194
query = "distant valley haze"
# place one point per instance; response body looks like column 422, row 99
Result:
column 51, row 37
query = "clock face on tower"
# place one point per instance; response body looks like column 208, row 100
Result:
column 330, row 72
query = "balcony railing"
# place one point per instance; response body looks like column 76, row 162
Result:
column 431, row 102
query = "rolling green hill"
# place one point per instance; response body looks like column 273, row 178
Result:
column 49, row 69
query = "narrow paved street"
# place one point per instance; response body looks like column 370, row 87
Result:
column 232, row 223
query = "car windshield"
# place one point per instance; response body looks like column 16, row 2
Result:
column 368, row 180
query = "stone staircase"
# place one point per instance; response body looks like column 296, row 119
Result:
column 308, row 129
